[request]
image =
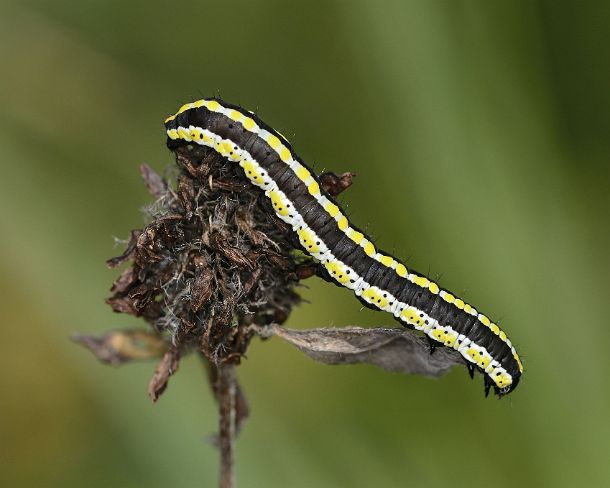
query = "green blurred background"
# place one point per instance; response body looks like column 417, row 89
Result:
column 479, row 132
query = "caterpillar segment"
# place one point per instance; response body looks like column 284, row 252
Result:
column 347, row 256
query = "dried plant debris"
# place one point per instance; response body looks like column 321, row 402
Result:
column 334, row 184
column 214, row 266
column 166, row 368
column 211, row 260
column 396, row 350
column 121, row 346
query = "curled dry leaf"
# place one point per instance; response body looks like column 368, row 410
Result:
column 166, row 368
column 201, row 289
column 120, row 346
column 396, row 350
column 129, row 250
column 186, row 194
column 336, row 184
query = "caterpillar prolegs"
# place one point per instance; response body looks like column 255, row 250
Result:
column 346, row 253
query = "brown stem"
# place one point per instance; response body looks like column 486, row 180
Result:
column 227, row 385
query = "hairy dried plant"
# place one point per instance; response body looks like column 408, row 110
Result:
column 214, row 267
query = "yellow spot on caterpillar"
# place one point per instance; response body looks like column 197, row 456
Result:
column 213, row 105
column 450, row 338
column 439, row 334
column 198, row 103
column 411, row 317
column 184, row 134
column 302, row 173
column 184, row 108
column 401, row 270
column 473, row 354
column 278, row 203
column 373, row 296
column 207, row 140
column 369, row 248
column 170, row 118
column 252, row 171
column 501, row 378
column 249, row 124
column 448, row 297
column 421, row 281
column 467, row 308
column 285, row 154
column 433, row 287
column 342, row 223
column 226, row 149
column 308, row 240
column 502, row 336
column 235, row 115
column 314, row 188
column 459, row 303
column 332, row 209
column 337, row 271
column 273, row 141
column 356, row 236
column 484, row 320
column 495, row 329
column 484, row 360
column 386, row 261
column 172, row 134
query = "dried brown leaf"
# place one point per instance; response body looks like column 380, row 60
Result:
column 251, row 280
column 306, row 270
column 201, row 290
column 186, row 193
column 396, row 350
column 156, row 185
column 122, row 305
column 120, row 346
column 166, row 368
column 233, row 254
column 227, row 184
column 336, row 184
column 124, row 282
column 129, row 250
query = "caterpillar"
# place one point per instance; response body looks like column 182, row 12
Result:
column 346, row 255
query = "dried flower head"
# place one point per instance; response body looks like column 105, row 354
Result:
column 213, row 267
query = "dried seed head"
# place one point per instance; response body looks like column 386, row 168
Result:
column 211, row 260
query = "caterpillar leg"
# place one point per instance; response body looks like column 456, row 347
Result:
column 488, row 383
column 432, row 345
column 470, row 368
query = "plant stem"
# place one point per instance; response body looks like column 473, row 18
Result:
column 227, row 385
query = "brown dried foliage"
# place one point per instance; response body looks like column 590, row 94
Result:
column 212, row 268
column 211, row 261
